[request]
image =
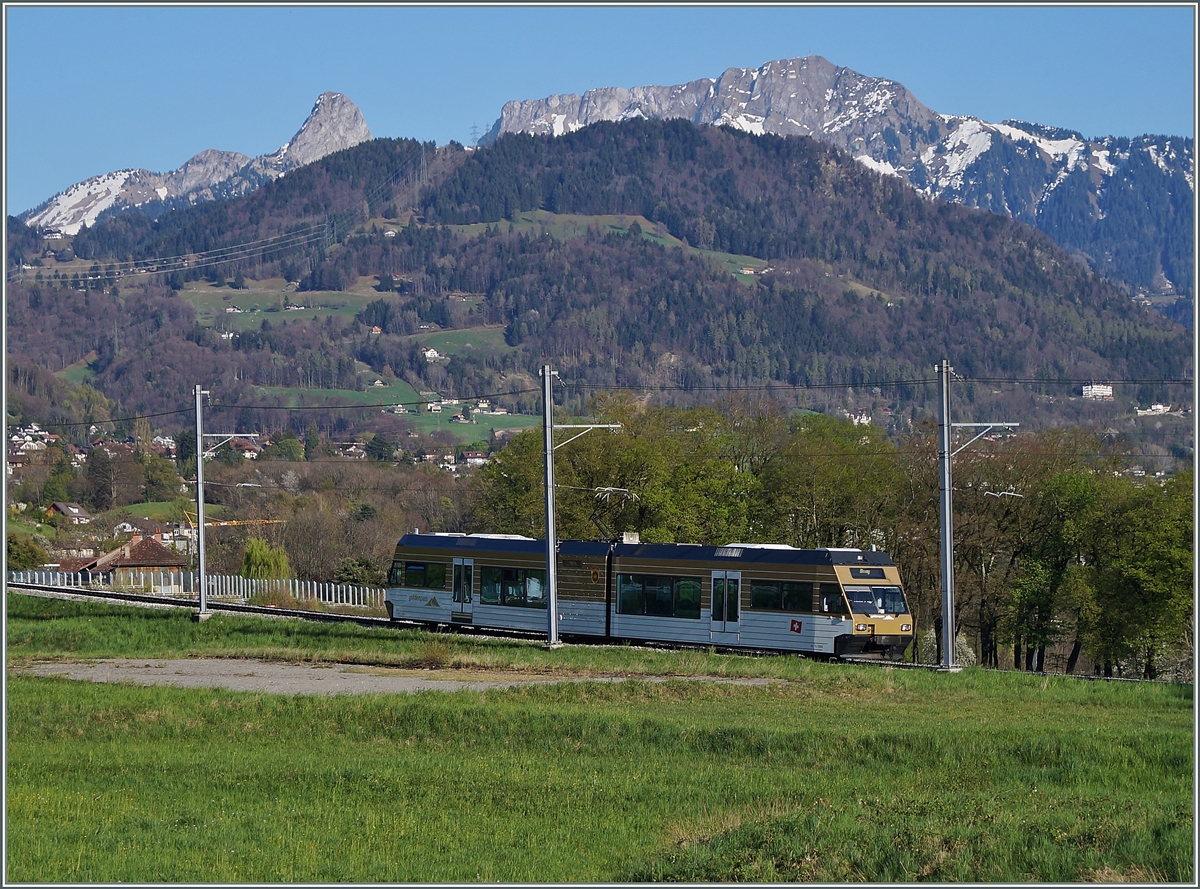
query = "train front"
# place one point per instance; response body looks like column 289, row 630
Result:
column 882, row 625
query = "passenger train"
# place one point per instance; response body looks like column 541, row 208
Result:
column 843, row 603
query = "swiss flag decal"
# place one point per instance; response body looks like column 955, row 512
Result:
column 796, row 626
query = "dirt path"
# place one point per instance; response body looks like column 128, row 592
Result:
column 296, row 679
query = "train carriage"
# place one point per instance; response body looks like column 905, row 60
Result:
column 837, row 602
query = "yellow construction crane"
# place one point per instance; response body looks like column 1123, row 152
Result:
column 191, row 520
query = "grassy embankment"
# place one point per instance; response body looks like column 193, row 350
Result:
column 834, row 773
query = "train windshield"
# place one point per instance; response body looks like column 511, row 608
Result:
column 876, row 600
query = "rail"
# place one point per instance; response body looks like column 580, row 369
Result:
column 187, row 584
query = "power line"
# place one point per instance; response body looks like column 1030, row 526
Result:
column 308, row 234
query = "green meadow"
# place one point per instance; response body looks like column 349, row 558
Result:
column 572, row 225
column 830, row 773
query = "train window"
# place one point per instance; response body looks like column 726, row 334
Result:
column 657, row 591
column 831, row 599
column 396, row 574
column 893, row 599
column 520, row 587
column 876, row 599
column 535, row 588
column 687, row 598
column 787, row 595
column 425, row 575
column 489, row 585
column 797, row 595
column 765, row 594
column 658, row 595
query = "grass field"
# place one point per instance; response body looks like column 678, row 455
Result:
column 452, row 342
column 266, row 299
column 571, row 225
column 834, row 773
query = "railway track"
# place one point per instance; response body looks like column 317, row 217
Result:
column 146, row 601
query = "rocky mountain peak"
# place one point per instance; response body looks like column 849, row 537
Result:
column 334, row 124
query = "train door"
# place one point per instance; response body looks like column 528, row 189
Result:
column 726, row 597
column 464, row 569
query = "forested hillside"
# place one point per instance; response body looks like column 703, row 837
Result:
column 865, row 282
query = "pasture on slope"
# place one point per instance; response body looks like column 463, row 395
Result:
column 835, row 773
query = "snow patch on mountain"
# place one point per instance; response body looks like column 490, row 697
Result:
column 1101, row 162
column 964, row 145
column 1070, row 150
column 82, row 203
column 878, row 166
column 334, row 124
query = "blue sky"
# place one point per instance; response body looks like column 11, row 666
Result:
column 89, row 90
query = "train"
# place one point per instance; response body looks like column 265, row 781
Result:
column 833, row 602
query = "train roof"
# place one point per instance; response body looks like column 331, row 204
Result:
column 741, row 553
column 501, row 543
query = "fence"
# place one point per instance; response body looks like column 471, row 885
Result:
column 220, row 586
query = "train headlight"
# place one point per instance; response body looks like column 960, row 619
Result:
column 862, row 628
column 905, row 628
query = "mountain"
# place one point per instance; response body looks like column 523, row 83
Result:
column 334, row 124
column 1126, row 204
column 755, row 260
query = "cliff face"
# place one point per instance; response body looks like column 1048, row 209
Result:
column 334, row 124
column 793, row 97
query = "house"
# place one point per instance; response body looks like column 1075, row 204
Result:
column 164, row 446
column 139, row 554
column 75, row 513
column 248, row 449
column 378, row 384
column 141, row 528
column 115, row 449
column 430, row 354
column 1098, row 391
column 474, row 458
column 433, row 407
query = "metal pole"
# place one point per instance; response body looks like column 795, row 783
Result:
column 947, row 518
column 551, row 532
column 204, row 612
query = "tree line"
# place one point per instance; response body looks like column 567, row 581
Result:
column 1054, row 544
column 1064, row 559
